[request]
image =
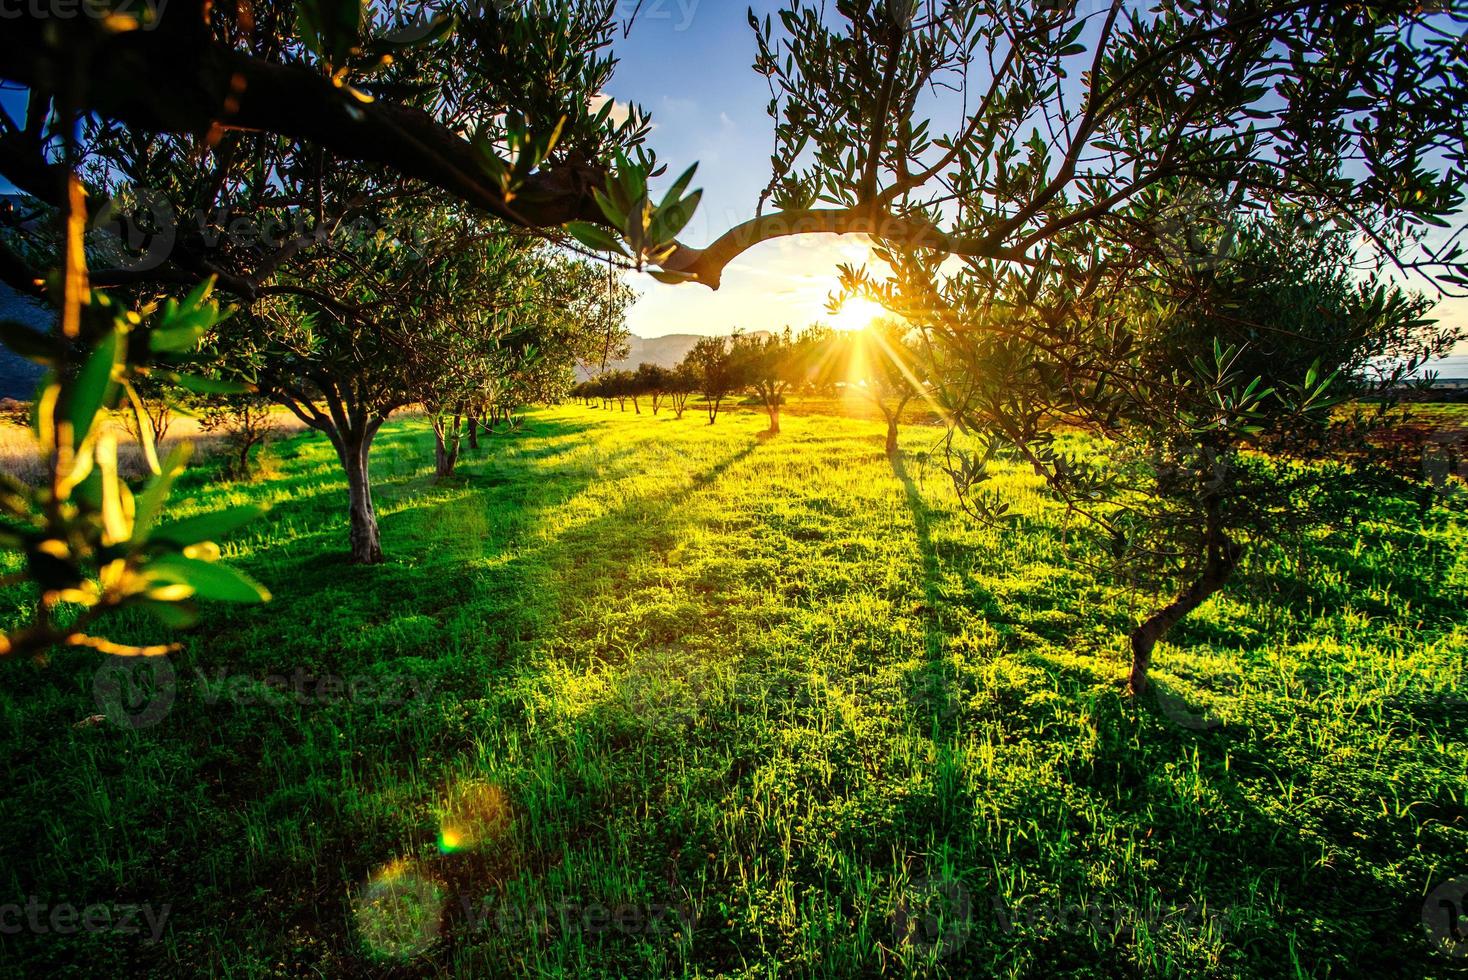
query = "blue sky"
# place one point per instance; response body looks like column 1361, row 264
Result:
column 688, row 63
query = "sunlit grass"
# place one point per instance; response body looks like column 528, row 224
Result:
column 660, row 698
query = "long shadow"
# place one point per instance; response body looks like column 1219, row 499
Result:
column 1124, row 767
column 930, row 687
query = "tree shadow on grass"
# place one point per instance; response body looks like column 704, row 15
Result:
column 930, row 688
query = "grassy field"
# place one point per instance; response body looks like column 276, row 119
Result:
column 638, row 697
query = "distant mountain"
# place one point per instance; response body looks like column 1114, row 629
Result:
column 17, row 375
column 666, row 351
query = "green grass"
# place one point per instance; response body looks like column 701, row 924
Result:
column 690, row 702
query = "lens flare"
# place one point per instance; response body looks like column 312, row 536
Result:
column 397, row 914
column 474, row 814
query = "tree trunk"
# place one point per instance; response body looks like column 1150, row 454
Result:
column 446, row 446
column 891, row 436
column 1223, row 558
column 636, row 407
column 473, row 432
column 774, row 408
column 366, row 542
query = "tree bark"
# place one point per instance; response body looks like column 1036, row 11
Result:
column 365, row 540
column 774, row 409
column 1223, row 557
column 893, row 418
column 446, row 446
column 473, row 432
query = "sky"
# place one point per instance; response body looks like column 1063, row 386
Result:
column 688, row 63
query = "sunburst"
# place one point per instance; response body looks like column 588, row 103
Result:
column 857, row 313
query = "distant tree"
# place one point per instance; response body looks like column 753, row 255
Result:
column 655, row 382
column 681, row 383
column 709, row 362
column 619, row 387
column 153, row 408
column 596, row 391
column 885, row 364
column 467, row 354
column 244, row 422
column 774, row 364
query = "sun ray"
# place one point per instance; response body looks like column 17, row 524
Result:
column 895, row 356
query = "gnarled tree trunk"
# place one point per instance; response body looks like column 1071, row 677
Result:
column 1222, row 559
column 893, row 417
column 366, row 542
column 446, row 435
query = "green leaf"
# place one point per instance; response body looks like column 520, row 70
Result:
column 669, row 221
column 207, row 527
column 149, row 503
column 329, row 27
column 594, row 237
column 616, row 214
column 675, row 193
column 176, row 615
column 209, row 580
column 93, row 385
column 199, row 294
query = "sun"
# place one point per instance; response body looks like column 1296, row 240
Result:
column 857, row 313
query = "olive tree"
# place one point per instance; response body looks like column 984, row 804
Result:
column 709, row 363
column 773, row 364
column 244, row 422
column 656, row 382
column 681, row 383
column 1216, row 391
column 886, row 364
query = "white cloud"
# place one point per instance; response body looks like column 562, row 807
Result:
column 620, row 111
